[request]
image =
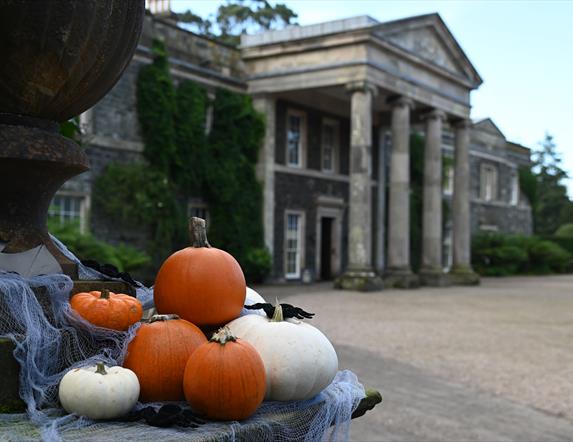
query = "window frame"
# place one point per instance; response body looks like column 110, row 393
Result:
column 514, row 189
column 300, row 244
column 489, row 182
column 83, row 209
column 302, row 138
column 335, row 124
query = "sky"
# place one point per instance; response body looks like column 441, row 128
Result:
column 523, row 50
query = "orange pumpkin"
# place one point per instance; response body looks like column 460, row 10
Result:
column 107, row 309
column 201, row 284
column 225, row 378
column 158, row 354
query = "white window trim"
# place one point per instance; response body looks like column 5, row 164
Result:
column 492, row 195
column 301, row 242
column 335, row 148
column 514, row 195
column 302, row 144
column 85, row 205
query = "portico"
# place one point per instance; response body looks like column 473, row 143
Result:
column 377, row 77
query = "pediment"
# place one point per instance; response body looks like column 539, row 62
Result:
column 487, row 125
column 428, row 38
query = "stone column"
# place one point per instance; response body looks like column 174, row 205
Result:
column 360, row 274
column 431, row 272
column 265, row 166
column 399, row 273
column 461, row 272
column 381, row 213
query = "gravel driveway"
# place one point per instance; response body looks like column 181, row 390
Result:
column 487, row 363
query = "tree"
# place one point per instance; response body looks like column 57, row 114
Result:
column 236, row 17
column 551, row 205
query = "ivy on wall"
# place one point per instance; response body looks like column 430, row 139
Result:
column 182, row 162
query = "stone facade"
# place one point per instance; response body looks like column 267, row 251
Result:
column 341, row 99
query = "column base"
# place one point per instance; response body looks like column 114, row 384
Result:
column 434, row 278
column 401, row 279
column 463, row 276
column 359, row 280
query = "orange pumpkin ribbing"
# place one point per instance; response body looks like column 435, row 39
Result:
column 107, row 309
column 205, row 286
column 225, row 381
column 158, row 355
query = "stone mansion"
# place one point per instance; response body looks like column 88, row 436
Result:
column 341, row 100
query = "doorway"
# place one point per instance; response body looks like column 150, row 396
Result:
column 326, row 248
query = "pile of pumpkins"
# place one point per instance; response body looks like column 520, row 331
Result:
column 249, row 359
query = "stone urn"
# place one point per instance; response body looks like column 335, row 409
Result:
column 59, row 58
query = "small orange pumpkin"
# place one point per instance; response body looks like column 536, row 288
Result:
column 201, row 284
column 225, row 378
column 158, row 354
column 107, row 309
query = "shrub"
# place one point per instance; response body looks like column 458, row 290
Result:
column 565, row 231
column 495, row 254
column 257, row 265
column 86, row 246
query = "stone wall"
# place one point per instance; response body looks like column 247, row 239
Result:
column 300, row 193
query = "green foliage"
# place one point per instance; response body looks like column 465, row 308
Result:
column 257, row 264
column 182, row 163
column 565, row 231
column 495, row 254
column 71, row 129
column 138, row 196
column 236, row 17
column 156, row 109
column 86, row 246
column 190, row 136
column 552, row 206
column 234, row 195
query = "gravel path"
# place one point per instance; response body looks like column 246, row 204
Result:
column 509, row 339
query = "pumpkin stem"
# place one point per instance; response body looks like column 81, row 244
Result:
column 198, row 232
column 278, row 314
column 104, row 294
column 100, row 368
column 223, row 336
column 156, row 318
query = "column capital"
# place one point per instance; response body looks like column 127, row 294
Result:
column 463, row 123
column 362, row 86
column 434, row 114
column 400, row 101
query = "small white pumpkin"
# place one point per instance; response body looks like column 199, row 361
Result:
column 299, row 360
column 252, row 297
column 99, row 392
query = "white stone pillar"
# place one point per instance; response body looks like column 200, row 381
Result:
column 399, row 273
column 431, row 272
column 360, row 274
column 265, row 166
column 461, row 272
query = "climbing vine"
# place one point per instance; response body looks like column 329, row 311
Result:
column 183, row 163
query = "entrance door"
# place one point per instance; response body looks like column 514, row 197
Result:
column 326, row 248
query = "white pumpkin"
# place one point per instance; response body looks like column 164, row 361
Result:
column 299, row 360
column 99, row 392
column 252, row 297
